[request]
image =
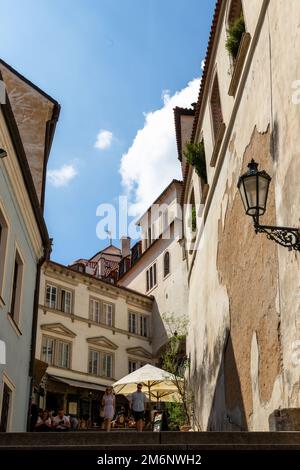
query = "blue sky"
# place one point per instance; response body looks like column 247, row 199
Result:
column 114, row 65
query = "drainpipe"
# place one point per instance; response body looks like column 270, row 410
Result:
column 45, row 257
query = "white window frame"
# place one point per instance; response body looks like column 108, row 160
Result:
column 133, row 320
column 108, row 313
column 57, row 357
column 3, row 248
column 99, row 364
column 66, row 306
column 151, row 277
column 50, row 303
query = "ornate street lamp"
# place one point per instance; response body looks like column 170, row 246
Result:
column 254, row 189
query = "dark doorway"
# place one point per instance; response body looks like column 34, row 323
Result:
column 5, row 408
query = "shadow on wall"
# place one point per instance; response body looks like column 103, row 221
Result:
column 159, row 333
column 228, row 412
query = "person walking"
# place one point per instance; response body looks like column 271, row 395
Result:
column 137, row 404
column 109, row 404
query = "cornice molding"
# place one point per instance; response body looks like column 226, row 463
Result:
column 58, row 328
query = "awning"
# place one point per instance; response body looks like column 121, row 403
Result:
column 79, row 383
column 39, row 371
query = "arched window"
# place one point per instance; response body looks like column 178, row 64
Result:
column 216, row 110
column 166, row 263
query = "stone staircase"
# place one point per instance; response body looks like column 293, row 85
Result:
column 146, row 441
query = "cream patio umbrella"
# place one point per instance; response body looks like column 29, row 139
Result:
column 160, row 385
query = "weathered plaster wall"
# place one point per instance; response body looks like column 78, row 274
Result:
column 31, row 111
column 243, row 261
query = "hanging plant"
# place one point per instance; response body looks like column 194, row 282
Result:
column 195, row 155
column 234, row 36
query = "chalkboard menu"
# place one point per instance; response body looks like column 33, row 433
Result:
column 157, row 422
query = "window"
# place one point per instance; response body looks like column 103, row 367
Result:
column 132, row 328
column 48, row 350
column 149, row 236
column 106, row 365
column 15, row 303
column 151, row 277
column 59, row 298
column 3, row 243
column 66, row 301
column 133, row 365
column 138, row 324
column 5, row 409
column 100, row 363
column 101, row 312
column 166, row 263
column 95, row 310
column 63, row 356
column 56, row 352
column 51, row 296
column 143, row 326
column 108, row 314
column 216, row 110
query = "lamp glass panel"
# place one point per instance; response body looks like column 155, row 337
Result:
column 243, row 194
column 263, row 185
column 250, row 188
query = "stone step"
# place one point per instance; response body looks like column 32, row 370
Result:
column 167, row 440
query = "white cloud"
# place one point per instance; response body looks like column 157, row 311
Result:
column 62, row 176
column 104, row 139
column 151, row 162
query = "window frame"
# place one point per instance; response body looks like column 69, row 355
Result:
column 16, row 290
column 139, row 317
column 166, row 256
column 4, row 237
column 59, row 297
column 56, row 362
column 151, row 276
column 99, row 366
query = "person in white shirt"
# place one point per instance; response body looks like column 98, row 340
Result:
column 137, row 404
column 61, row 422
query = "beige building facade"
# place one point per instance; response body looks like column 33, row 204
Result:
column 244, row 290
column 160, row 269
column 90, row 334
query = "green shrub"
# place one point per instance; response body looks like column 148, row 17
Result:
column 195, row 155
column 235, row 33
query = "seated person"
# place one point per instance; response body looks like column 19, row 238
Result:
column 43, row 423
column 61, row 422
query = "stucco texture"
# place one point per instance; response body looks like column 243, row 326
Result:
column 252, row 294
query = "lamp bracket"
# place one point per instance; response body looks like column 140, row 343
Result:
column 288, row 237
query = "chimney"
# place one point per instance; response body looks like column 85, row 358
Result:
column 125, row 246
